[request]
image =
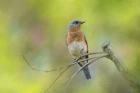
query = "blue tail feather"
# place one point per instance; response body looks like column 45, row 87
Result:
column 87, row 73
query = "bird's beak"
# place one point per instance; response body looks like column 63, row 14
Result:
column 82, row 22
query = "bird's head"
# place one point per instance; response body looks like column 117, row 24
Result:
column 75, row 25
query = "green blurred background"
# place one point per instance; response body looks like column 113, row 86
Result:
column 37, row 29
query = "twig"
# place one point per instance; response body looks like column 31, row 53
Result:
column 88, row 59
column 92, row 61
column 92, row 53
column 57, row 79
column 51, row 70
column 33, row 68
column 68, row 67
column 107, row 52
column 59, row 68
column 65, row 67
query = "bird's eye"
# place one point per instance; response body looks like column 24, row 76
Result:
column 76, row 22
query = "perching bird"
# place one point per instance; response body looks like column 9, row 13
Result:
column 77, row 44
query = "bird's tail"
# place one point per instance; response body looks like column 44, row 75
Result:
column 87, row 72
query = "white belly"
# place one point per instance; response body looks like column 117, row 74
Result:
column 77, row 49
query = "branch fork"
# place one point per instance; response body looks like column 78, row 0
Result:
column 106, row 53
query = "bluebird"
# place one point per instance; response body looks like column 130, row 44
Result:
column 77, row 44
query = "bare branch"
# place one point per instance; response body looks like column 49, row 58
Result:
column 92, row 61
column 61, row 73
column 87, row 59
column 51, row 70
column 65, row 67
column 62, row 67
column 127, row 75
column 106, row 48
column 33, row 68
column 92, row 53
column 107, row 52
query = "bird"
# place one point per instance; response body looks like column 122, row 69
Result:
column 77, row 45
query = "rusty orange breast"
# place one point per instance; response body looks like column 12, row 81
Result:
column 74, row 36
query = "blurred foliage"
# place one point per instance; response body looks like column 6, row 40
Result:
column 37, row 29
